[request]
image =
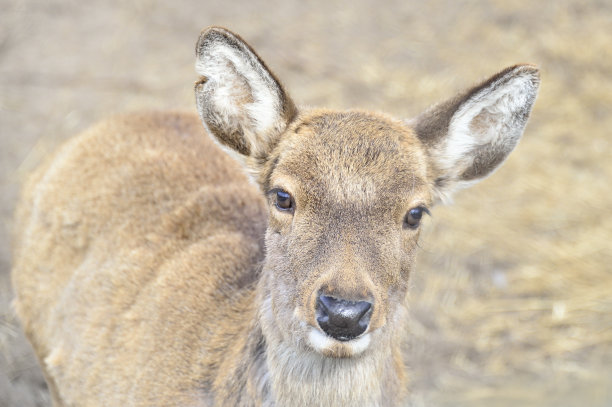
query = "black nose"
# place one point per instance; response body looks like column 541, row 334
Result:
column 341, row 319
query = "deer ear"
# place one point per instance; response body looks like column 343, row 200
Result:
column 240, row 101
column 469, row 136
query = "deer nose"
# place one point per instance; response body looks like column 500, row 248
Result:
column 342, row 319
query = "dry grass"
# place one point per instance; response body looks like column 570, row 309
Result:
column 511, row 304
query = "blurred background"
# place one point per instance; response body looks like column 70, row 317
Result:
column 511, row 304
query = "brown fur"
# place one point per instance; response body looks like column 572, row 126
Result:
column 149, row 271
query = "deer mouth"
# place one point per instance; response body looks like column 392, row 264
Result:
column 329, row 346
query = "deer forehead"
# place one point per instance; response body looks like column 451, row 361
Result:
column 351, row 157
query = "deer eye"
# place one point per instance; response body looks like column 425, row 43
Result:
column 283, row 201
column 412, row 219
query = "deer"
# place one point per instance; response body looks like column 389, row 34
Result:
column 253, row 254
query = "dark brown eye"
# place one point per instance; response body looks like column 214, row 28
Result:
column 283, row 201
column 413, row 217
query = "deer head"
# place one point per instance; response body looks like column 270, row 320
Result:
column 346, row 191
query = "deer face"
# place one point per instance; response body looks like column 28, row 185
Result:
column 346, row 190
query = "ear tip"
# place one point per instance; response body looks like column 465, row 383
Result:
column 530, row 72
column 529, row 69
column 212, row 34
column 216, row 30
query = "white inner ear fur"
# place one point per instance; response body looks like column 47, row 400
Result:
column 242, row 92
column 497, row 110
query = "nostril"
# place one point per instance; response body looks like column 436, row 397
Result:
column 342, row 319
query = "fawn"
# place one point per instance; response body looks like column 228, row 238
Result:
column 153, row 269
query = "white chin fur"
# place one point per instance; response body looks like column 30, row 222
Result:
column 322, row 343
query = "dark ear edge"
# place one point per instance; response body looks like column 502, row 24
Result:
column 432, row 125
column 469, row 136
column 240, row 100
column 289, row 111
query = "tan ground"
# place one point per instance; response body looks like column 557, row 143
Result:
column 512, row 303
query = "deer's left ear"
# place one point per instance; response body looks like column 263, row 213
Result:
column 470, row 135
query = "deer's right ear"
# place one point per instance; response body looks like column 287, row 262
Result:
column 239, row 99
